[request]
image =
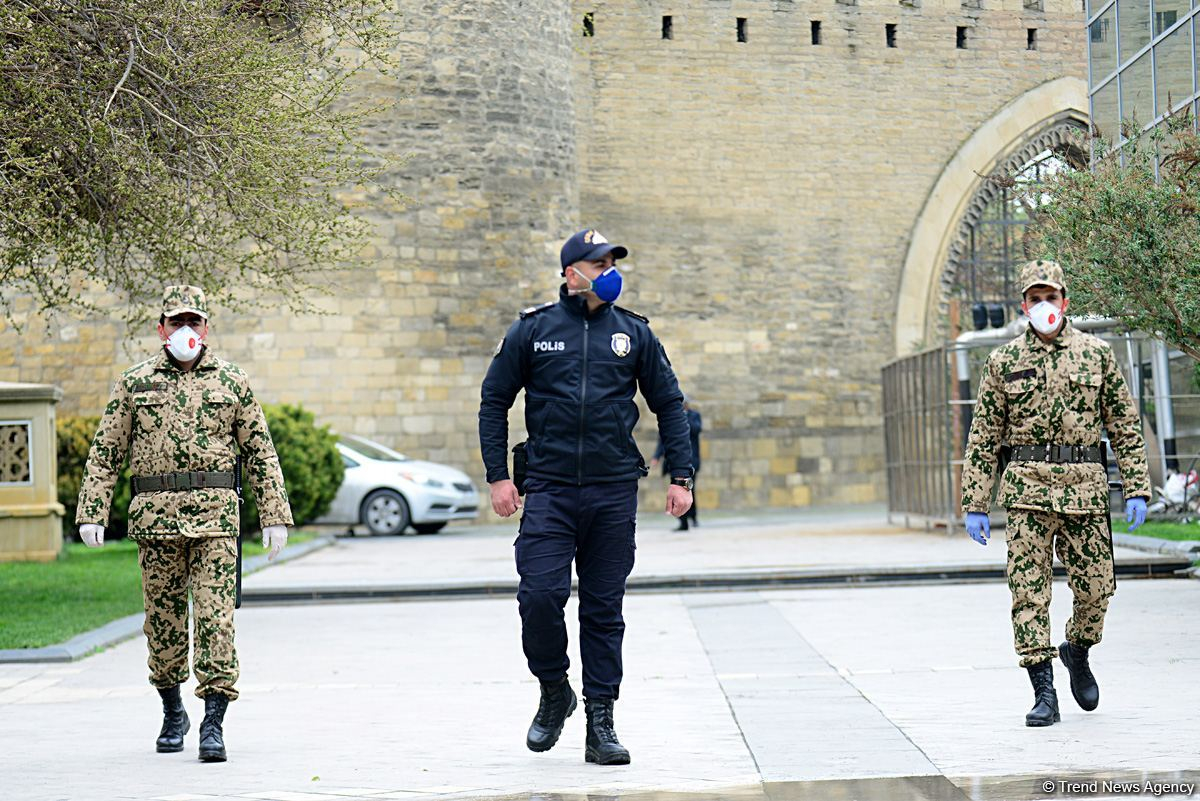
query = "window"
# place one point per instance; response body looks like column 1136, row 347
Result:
column 667, row 30
column 589, row 24
column 960, row 38
column 816, row 32
column 1134, row 30
column 16, row 455
column 1167, row 13
column 1164, row 20
column 1102, row 47
column 890, row 34
column 1173, row 69
column 1137, row 91
column 995, row 248
column 741, row 29
column 1031, row 39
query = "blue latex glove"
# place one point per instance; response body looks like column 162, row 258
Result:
column 1135, row 512
column 979, row 528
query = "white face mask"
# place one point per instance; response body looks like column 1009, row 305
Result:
column 184, row 344
column 1046, row 317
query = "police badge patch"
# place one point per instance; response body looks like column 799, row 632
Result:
column 620, row 344
column 499, row 346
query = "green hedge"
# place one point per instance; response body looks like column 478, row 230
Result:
column 312, row 468
column 75, row 436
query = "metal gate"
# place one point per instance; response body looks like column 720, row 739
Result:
column 928, row 398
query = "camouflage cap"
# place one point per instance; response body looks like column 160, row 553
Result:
column 180, row 299
column 1042, row 272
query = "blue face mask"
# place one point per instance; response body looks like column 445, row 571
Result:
column 607, row 285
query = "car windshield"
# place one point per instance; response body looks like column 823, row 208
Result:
column 372, row 450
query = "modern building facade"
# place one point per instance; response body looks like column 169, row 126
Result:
column 1142, row 61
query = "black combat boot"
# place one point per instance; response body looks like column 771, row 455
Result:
column 602, row 745
column 1045, row 700
column 175, row 721
column 557, row 704
column 212, row 737
column 1083, row 683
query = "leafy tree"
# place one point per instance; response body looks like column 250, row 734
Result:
column 1128, row 234
column 144, row 142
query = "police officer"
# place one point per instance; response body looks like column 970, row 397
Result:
column 1047, row 396
column 579, row 361
column 182, row 417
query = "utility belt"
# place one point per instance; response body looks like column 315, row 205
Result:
column 1057, row 454
column 183, row 481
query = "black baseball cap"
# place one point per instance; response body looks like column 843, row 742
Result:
column 589, row 245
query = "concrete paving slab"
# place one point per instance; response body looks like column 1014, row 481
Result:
column 850, row 690
column 805, row 545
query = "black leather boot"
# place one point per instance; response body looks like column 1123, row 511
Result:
column 1045, row 700
column 212, row 737
column 603, row 747
column 1083, row 683
column 175, row 722
column 557, row 704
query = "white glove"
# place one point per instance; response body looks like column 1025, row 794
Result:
column 92, row 535
column 274, row 537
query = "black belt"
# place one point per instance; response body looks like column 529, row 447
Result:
column 182, row 481
column 1059, row 454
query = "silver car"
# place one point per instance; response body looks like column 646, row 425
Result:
column 387, row 492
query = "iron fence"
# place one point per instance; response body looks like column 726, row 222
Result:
column 928, row 399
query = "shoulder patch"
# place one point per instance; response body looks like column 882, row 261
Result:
column 633, row 314
column 535, row 309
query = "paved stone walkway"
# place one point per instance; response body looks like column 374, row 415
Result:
column 744, row 543
column 910, row 690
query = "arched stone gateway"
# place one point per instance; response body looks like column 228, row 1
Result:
column 1046, row 118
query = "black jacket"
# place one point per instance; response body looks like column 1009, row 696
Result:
column 579, row 372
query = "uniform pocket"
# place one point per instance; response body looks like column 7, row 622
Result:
column 1085, row 389
column 150, row 410
column 1021, row 390
column 217, row 410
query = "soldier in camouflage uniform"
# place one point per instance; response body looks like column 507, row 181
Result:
column 182, row 417
column 1047, row 396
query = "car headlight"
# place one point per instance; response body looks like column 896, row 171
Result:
column 421, row 478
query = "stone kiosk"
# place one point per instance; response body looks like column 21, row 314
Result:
column 30, row 514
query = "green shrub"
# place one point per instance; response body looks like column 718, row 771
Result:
column 312, row 466
column 75, row 436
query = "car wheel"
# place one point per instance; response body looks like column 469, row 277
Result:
column 428, row 528
column 385, row 512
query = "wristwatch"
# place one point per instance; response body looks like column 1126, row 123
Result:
column 683, row 481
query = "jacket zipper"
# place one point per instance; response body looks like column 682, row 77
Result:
column 582, row 404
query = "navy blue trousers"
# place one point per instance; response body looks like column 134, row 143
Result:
column 594, row 527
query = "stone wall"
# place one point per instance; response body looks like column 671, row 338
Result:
column 767, row 191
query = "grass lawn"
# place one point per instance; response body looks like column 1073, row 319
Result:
column 1160, row 530
column 42, row 603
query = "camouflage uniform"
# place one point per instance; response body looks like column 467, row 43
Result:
column 1059, row 392
column 170, row 421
